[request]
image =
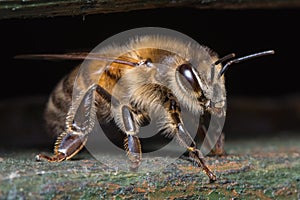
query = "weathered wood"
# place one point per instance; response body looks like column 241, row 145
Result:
column 253, row 169
column 33, row 8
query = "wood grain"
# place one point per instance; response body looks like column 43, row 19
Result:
column 10, row 9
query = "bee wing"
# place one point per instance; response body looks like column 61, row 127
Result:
column 80, row 56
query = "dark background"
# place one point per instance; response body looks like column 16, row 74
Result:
column 262, row 93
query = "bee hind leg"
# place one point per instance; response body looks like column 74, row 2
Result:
column 56, row 158
column 131, row 143
column 73, row 139
column 67, row 145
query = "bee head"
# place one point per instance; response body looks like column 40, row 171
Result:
column 204, row 88
column 205, row 83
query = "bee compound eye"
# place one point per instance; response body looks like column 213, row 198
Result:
column 188, row 73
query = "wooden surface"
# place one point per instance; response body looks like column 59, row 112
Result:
column 252, row 169
column 33, row 9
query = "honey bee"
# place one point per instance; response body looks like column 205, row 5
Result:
column 149, row 75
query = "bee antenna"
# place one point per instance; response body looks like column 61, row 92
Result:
column 237, row 60
column 227, row 57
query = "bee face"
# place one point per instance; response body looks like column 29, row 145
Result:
column 199, row 84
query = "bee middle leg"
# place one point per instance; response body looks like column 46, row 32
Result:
column 131, row 143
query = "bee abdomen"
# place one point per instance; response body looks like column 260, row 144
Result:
column 58, row 105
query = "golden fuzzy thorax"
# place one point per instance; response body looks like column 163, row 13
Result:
column 166, row 54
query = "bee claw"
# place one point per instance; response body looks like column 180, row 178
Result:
column 212, row 177
column 38, row 158
column 41, row 157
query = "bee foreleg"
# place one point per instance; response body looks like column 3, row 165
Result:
column 218, row 150
column 183, row 138
column 215, row 149
column 131, row 143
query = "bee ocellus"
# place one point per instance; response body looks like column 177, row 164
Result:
column 155, row 72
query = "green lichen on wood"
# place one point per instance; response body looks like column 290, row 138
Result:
column 257, row 169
